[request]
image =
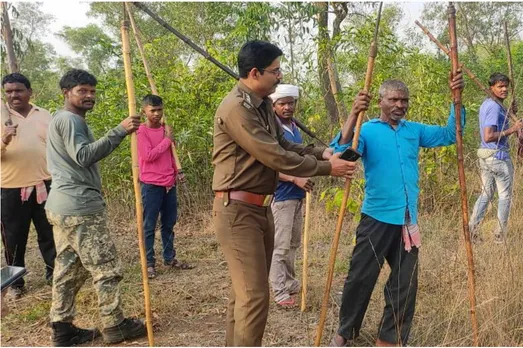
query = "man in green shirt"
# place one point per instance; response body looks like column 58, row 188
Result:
column 76, row 209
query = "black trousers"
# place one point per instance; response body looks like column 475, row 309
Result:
column 376, row 242
column 16, row 220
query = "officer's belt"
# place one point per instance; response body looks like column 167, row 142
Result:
column 247, row 197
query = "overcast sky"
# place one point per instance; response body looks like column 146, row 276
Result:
column 71, row 13
column 74, row 14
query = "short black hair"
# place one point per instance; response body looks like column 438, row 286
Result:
column 256, row 54
column 497, row 77
column 16, row 78
column 75, row 77
column 152, row 99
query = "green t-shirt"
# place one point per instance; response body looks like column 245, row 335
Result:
column 72, row 156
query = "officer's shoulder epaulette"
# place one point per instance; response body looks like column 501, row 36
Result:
column 245, row 100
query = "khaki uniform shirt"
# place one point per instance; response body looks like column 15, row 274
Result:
column 23, row 161
column 250, row 149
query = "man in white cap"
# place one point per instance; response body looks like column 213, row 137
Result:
column 287, row 206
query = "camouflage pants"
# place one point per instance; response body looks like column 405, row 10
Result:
column 84, row 247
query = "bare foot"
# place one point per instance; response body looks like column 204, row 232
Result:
column 338, row 341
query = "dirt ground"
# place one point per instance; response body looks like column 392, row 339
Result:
column 189, row 306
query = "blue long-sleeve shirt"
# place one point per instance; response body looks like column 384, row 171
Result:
column 390, row 160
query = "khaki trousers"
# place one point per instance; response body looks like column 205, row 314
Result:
column 246, row 235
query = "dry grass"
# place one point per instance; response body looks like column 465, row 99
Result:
column 189, row 306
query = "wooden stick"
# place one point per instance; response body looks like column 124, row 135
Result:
column 473, row 77
column 373, row 52
column 137, row 192
column 305, row 252
column 154, row 90
column 456, row 93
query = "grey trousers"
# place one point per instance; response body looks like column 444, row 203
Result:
column 288, row 222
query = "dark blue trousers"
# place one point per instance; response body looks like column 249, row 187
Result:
column 158, row 202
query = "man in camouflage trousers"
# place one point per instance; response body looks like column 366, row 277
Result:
column 76, row 209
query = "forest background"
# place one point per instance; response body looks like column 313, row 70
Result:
column 311, row 35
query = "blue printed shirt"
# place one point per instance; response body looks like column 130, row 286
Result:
column 491, row 114
column 390, row 160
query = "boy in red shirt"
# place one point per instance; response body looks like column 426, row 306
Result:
column 158, row 175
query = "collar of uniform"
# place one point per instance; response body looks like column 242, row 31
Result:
column 16, row 113
column 255, row 100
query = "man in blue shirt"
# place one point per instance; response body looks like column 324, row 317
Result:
column 287, row 207
column 388, row 228
column 497, row 171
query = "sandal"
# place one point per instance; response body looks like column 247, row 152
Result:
column 151, row 273
column 287, row 303
column 179, row 265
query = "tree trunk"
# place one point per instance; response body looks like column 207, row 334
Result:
column 336, row 90
column 324, row 55
column 7, row 33
column 468, row 35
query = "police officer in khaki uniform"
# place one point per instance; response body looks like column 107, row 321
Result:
column 249, row 151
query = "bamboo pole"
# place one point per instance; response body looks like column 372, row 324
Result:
column 140, row 48
column 304, row 278
column 138, row 196
column 154, row 90
column 473, row 77
column 7, row 33
column 456, row 93
column 373, row 52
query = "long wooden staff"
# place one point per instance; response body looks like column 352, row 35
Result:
column 463, row 67
column 154, row 90
column 373, row 52
column 305, row 252
column 456, row 94
column 138, row 196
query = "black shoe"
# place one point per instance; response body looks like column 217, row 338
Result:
column 67, row 335
column 127, row 329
